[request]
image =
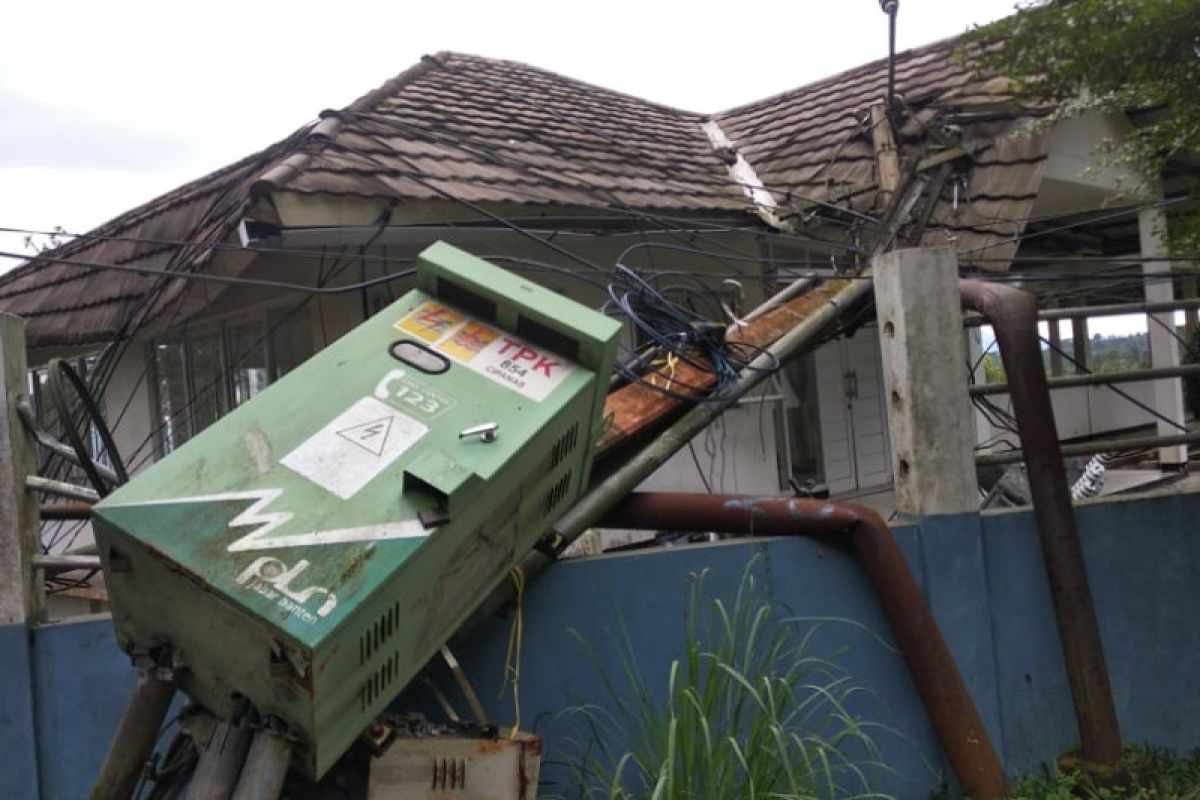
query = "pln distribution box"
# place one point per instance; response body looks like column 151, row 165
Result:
column 313, row 549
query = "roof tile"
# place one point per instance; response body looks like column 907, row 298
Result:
column 480, row 130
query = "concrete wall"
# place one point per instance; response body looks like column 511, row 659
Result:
column 61, row 686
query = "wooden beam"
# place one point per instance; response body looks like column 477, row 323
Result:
column 944, row 157
column 887, row 159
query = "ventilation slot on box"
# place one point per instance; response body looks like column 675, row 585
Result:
column 377, row 684
column 545, row 336
column 374, row 637
column 564, row 446
column 468, row 301
column 449, row 773
column 558, row 492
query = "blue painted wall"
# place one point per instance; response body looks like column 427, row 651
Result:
column 1143, row 559
column 644, row 597
column 18, row 764
column 81, row 682
column 983, row 576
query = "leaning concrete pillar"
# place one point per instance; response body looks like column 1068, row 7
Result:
column 925, row 377
column 20, row 592
column 1164, row 348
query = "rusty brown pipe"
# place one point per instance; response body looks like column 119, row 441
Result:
column 1013, row 316
column 951, row 710
column 134, row 739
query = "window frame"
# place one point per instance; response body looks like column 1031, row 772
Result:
column 267, row 319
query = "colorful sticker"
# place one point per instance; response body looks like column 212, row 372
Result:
column 361, row 442
column 430, row 321
column 506, row 360
column 511, row 362
column 469, row 341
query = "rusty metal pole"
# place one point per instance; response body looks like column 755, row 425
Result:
column 265, row 769
column 72, row 509
column 1013, row 315
column 135, row 737
column 947, row 701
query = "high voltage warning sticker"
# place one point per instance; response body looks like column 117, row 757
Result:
column 371, row 436
column 357, row 445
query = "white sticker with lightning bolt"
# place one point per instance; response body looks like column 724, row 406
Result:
column 349, row 452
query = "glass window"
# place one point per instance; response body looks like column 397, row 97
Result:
column 204, row 373
column 170, row 383
column 246, row 355
column 207, row 385
column 290, row 342
column 44, row 411
column 799, row 422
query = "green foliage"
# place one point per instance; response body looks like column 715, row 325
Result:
column 1083, row 55
column 1144, row 775
column 749, row 713
column 993, row 369
column 1117, row 353
column 1105, row 354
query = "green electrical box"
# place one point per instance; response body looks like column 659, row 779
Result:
column 312, row 550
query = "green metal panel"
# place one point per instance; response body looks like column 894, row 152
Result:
column 312, row 550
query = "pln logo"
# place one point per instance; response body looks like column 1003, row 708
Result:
column 273, row 579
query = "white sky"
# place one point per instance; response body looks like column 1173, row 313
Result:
column 104, row 105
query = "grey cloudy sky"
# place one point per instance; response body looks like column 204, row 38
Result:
column 106, row 105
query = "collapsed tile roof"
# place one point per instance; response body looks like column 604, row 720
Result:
column 483, row 131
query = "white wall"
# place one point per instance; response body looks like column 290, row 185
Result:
column 1090, row 410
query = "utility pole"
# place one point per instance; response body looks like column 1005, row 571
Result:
column 922, row 345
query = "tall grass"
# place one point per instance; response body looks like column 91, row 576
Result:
column 749, row 713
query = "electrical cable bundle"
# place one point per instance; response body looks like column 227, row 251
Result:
column 668, row 333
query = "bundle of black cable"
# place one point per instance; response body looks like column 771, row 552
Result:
column 674, row 323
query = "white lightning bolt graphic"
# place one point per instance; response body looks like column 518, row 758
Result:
column 267, row 521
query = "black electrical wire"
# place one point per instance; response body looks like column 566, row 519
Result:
column 1170, row 329
column 217, row 213
column 1101, row 218
column 734, row 257
column 58, row 371
column 674, row 333
column 222, row 279
column 1112, row 387
column 168, row 274
column 336, row 268
column 1127, row 260
column 168, row 243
